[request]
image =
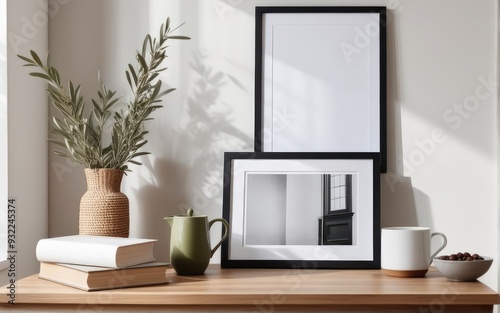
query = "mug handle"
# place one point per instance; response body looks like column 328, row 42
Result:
column 226, row 233
column 445, row 241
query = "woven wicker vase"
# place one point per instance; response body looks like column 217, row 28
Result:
column 104, row 210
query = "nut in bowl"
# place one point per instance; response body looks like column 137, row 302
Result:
column 463, row 266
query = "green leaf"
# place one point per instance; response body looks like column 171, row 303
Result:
column 141, row 60
column 56, row 122
column 129, row 80
column 110, row 104
column 162, row 32
column 138, row 154
column 36, row 59
column 179, row 37
column 152, row 77
column 97, row 108
column 145, row 44
column 55, row 75
column 28, row 60
column 150, row 42
column 156, row 90
column 61, row 153
column 72, row 93
column 166, row 92
column 135, row 162
column 41, row 75
column 110, row 94
column 167, row 25
column 140, row 144
column 91, row 118
column 134, row 75
column 57, row 142
column 154, row 107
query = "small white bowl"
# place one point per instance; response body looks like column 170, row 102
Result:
column 463, row 270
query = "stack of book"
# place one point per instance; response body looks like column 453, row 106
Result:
column 97, row 263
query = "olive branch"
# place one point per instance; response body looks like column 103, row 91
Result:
column 80, row 138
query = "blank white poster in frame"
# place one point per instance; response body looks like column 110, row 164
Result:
column 272, row 201
column 320, row 83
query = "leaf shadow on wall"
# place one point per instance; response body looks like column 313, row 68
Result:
column 208, row 133
column 191, row 175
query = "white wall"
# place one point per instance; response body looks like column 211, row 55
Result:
column 442, row 121
column 304, row 205
column 27, row 132
column 442, row 134
column 266, row 209
column 283, row 209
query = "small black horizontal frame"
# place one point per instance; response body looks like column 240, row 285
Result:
column 273, row 201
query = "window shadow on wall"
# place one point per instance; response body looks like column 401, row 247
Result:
column 400, row 201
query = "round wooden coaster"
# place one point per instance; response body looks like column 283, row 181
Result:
column 405, row 274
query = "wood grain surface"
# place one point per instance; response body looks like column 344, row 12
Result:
column 271, row 288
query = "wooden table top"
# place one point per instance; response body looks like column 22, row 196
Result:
column 280, row 286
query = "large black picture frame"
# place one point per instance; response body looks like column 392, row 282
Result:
column 252, row 242
column 340, row 106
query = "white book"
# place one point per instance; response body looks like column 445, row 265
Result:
column 113, row 252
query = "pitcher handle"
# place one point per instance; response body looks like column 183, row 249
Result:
column 445, row 241
column 226, row 233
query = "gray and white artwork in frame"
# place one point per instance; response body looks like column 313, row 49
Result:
column 275, row 204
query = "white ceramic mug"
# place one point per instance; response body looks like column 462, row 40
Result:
column 406, row 251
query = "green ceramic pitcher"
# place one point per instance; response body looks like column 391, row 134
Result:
column 190, row 249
